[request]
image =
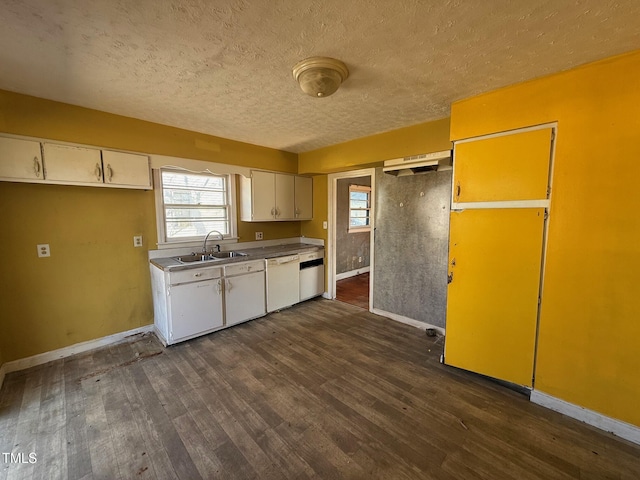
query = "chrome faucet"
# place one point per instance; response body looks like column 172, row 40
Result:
column 204, row 245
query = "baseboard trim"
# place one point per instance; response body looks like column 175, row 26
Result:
column 352, row 273
column 617, row 427
column 42, row 358
column 407, row 320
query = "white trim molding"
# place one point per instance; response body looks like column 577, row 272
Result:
column 352, row 273
column 46, row 357
column 617, row 427
column 407, row 320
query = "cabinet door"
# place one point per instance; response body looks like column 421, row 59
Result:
column 503, row 168
column 285, row 197
column 495, row 258
column 196, row 308
column 20, row 160
column 304, row 198
column 244, row 297
column 126, row 169
column 72, row 164
column 263, row 195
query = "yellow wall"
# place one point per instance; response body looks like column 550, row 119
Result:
column 95, row 283
column 373, row 150
column 589, row 335
column 313, row 228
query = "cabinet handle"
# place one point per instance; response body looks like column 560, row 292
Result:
column 228, row 285
column 109, row 172
column 219, row 286
column 273, row 211
column 197, row 274
column 277, row 212
column 36, row 166
column 458, row 190
column 98, row 172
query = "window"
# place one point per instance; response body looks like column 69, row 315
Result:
column 193, row 204
column 359, row 208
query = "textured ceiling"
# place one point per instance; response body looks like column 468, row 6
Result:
column 223, row 67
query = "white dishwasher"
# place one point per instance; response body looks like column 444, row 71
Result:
column 283, row 282
column 311, row 274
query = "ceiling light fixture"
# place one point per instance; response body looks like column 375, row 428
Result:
column 320, row 76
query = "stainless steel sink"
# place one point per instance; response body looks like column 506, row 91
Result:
column 209, row 257
column 194, row 257
column 228, row 254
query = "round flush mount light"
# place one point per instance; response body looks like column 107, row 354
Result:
column 320, row 76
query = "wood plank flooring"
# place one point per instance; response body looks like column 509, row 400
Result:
column 321, row 390
column 354, row 290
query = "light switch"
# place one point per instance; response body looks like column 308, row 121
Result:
column 43, row 250
column 325, row 225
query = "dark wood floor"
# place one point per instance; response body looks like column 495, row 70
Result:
column 354, row 290
column 321, row 390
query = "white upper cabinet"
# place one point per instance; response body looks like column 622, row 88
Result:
column 126, row 169
column 271, row 196
column 285, row 197
column 67, row 164
column 303, row 198
column 20, row 160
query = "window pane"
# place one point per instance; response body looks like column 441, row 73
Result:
column 358, row 222
column 196, row 214
column 359, row 196
column 190, row 228
column 359, row 213
column 192, row 180
column 174, row 196
column 194, row 204
column 359, row 204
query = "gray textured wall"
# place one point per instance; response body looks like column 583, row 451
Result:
column 349, row 246
column 411, row 245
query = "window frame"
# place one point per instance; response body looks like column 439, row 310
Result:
column 360, row 228
column 232, row 209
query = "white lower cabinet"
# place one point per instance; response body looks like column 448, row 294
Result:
column 196, row 308
column 193, row 302
column 187, row 303
column 244, row 292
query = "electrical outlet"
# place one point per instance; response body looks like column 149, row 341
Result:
column 43, row 250
column 359, row 259
column 137, row 241
column 259, row 236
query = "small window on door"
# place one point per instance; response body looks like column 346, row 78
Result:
column 359, row 208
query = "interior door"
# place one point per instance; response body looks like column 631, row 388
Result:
column 495, row 259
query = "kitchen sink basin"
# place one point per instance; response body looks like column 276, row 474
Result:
column 228, row 254
column 194, row 258
column 210, row 257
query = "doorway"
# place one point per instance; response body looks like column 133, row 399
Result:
column 350, row 246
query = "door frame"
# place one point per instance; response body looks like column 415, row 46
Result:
column 332, row 184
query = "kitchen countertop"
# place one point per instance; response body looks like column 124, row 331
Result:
column 260, row 253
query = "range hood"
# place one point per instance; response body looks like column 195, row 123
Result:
column 423, row 163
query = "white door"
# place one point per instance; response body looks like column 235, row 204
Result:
column 72, row 164
column 126, row 169
column 20, row 159
column 196, row 308
column 244, row 297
